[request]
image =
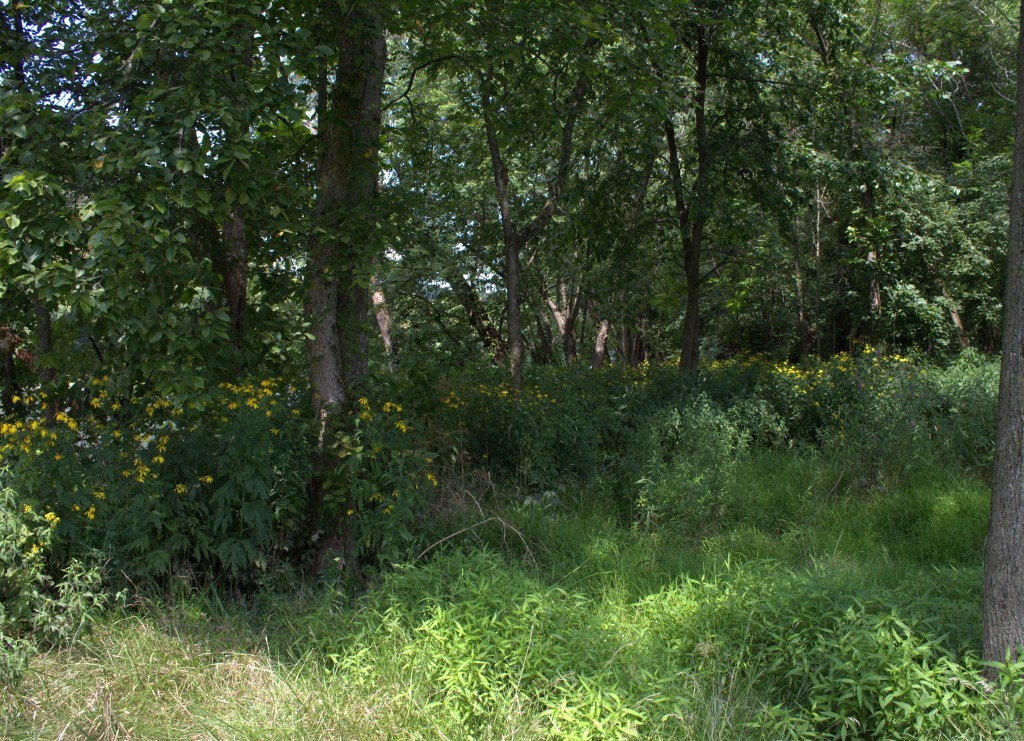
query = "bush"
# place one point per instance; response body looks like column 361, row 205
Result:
column 35, row 606
column 692, row 459
column 216, row 485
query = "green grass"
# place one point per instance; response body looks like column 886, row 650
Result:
column 800, row 608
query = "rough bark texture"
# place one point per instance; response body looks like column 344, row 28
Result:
column 44, row 348
column 341, row 241
column 1003, row 603
column 8, row 343
column 349, row 118
column 798, row 278
column 235, row 274
column 691, row 220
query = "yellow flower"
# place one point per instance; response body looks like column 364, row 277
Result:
column 158, row 459
column 15, row 399
column 432, row 479
column 57, row 457
column 180, row 488
column 252, row 403
column 233, row 406
column 99, row 495
column 401, row 426
column 51, row 518
column 390, row 407
column 206, row 479
column 75, row 508
column 115, row 406
column 91, row 512
column 27, row 509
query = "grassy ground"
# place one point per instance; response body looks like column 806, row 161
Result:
column 795, row 609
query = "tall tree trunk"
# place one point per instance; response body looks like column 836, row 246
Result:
column 235, row 274
column 342, row 241
column 566, row 311
column 600, row 344
column 1003, row 601
column 803, row 327
column 867, row 202
column 818, row 207
column 692, row 247
column 44, row 357
column 691, row 220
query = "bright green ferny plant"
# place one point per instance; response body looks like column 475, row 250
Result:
column 381, row 480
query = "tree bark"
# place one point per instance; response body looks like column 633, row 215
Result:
column 342, row 241
column 8, row 343
column 600, row 344
column 235, row 273
column 476, row 312
column 1003, row 601
column 382, row 314
column 803, row 327
column 691, row 220
column 44, row 359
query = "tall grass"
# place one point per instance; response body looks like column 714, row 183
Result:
column 765, row 552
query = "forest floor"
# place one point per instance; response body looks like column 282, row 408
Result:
column 815, row 613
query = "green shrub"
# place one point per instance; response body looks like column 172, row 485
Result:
column 216, row 485
column 381, row 481
column 36, row 606
column 692, row 459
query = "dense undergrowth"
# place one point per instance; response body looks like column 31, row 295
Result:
column 761, row 550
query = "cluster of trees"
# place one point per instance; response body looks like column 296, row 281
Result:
column 191, row 186
column 193, row 191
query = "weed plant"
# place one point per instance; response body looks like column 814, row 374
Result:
column 761, row 550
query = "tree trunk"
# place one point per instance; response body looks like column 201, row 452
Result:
column 8, row 343
column 691, row 220
column 383, row 316
column 44, row 358
column 691, row 259
column 342, row 241
column 235, row 274
column 516, row 239
column 1003, row 601
column 801, row 313
column 476, row 312
column 600, row 344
